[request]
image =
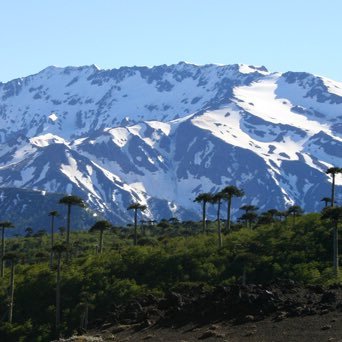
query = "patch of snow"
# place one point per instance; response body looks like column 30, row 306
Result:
column 53, row 117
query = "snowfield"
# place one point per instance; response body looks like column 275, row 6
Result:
column 161, row 135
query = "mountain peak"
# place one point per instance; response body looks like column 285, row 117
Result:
column 162, row 134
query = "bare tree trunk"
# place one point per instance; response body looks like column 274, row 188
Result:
column 68, row 231
column 335, row 250
column 228, row 214
column 10, row 316
column 333, row 190
column 52, row 241
column 2, row 251
column 135, row 227
column 219, row 224
column 58, row 296
column 204, row 225
column 84, row 317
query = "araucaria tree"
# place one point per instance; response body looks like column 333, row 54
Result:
column 100, row 226
column 295, row 211
column 335, row 216
column 136, row 206
column 52, row 214
column 11, row 257
column 326, row 201
column 217, row 199
column 204, row 198
column 58, row 250
column 333, row 171
column 228, row 193
column 250, row 214
column 70, row 201
column 3, row 225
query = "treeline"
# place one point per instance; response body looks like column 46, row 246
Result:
column 166, row 257
column 55, row 284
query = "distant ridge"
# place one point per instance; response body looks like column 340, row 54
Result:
column 161, row 135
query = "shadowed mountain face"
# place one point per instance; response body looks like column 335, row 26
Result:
column 162, row 135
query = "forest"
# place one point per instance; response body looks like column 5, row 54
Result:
column 60, row 282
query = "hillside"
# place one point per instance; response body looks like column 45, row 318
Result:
column 162, row 135
column 177, row 281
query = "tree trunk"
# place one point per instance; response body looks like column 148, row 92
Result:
column 228, row 214
column 10, row 316
column 2, row 251
column 219, row 224
column 58, row 295
column 52, row 241
column 135, row 227
column 204, row 226
column 84, row 317
column 101, row 240
column 333, row 190
column 244, row 276
column 335, row 249
column 68, row 231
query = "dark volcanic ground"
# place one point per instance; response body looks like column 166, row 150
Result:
column 282, row 311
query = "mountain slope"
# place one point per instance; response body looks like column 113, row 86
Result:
column 161, row 135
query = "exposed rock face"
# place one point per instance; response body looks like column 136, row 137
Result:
column 162, row 135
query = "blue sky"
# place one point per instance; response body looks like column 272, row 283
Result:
column 299, row 35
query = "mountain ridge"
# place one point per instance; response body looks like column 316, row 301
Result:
column 163, row 134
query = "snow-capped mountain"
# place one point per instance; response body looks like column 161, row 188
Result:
column 162, row 135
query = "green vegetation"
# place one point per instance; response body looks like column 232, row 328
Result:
column 62, row 282
column 167, row 256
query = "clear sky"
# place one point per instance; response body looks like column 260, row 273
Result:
column 297, row 35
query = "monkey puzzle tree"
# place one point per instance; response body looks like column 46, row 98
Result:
column 250, row 214
column 335, row 216
column 11, row 257
column 61, row 231
column 58, row 250
column 204, row 198
column 326, row 201
column 70, row 201
column 295, row 211
column 268, row 217
column 52, row 214
column 136, row 206
column 217, row 198
column 333, row 171
column 28, row 231
column 3, row 225
column 100, row 226
column 249, row 217
column 249, row 208
column 230, row 192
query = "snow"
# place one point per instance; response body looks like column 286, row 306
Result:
column 47, row 139
column 247, row 69
column 333, row 87
column 261, row 100
column 53, row 117
column 119, row 135
column 165, row 127
column 85, row 110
